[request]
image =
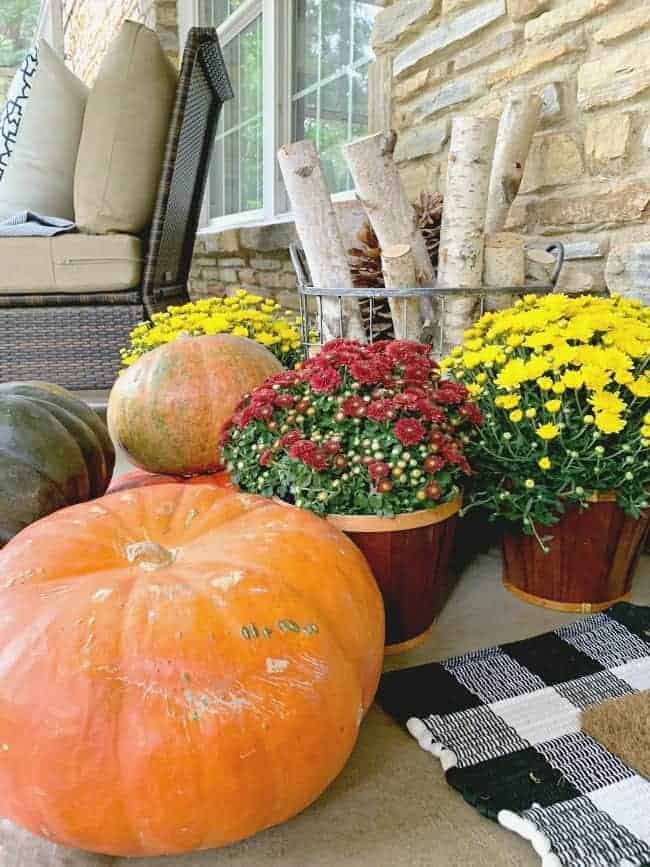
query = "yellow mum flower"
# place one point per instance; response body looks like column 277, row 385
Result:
column 607, row 401
column 531, row 412
column 573, row 379
column 545, row 383
column 240, row 331
column 530, row 484
column 640, row 387
column 595, row 378
column 646, row 418
column 516, row 415
column 609, row 422
column 512, row 375
column 645, row 430
column 507, row 401
column 544, row 463
column 559, row 388
column 548, row 431
column 553, row 405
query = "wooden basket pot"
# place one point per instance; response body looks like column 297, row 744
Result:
column 591, row 563
column 410, row 558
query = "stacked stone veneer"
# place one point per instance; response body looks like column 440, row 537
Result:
column 91, row 25
column 587, row 180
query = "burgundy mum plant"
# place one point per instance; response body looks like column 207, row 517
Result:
column 356, row 430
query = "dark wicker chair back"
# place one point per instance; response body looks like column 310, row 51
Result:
column 203, row 88
column 75, row 339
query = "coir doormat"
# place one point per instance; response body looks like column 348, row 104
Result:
column 505, row 724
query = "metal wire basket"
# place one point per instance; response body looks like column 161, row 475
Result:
column 312, row 320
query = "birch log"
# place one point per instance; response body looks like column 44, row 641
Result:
column 320, row 236
column 504, row 266
column 514, row 137
column 400, row 273
column 383, row 196
column 460, row 262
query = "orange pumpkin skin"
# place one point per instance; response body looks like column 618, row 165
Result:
column 143, row 479
column 182, row 667
column 167, row 410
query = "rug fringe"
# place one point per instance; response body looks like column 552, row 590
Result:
column 423, row 736
column 506, row 818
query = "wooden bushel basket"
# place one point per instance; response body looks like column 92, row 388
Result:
column 591, row 563
column 410, row 559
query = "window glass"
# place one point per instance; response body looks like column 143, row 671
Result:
column 18, row 21
column 331, row 52
column 236, row 172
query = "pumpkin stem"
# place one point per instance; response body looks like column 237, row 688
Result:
column 149, row 555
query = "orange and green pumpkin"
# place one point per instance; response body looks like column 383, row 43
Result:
column 54, row 451
column 167, row 410
column 183, row 667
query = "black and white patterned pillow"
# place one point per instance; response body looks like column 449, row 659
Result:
column 14, row 108
column 40, row 128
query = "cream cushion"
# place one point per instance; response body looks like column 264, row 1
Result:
column 40, row 127
column 124, row 134
column 69, row 263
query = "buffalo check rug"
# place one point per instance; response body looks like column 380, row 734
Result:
column 505, row 725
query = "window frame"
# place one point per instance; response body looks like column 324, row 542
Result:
column 277, row 39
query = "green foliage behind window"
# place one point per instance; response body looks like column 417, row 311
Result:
column 18, row 20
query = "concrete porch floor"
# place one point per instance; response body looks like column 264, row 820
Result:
column 390, row 807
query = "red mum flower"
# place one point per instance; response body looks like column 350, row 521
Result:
column 285, row 401
column 472, row 413
column 430, row 412
column 290, row 438
column 416, row 370
column 326, row 380
column 406, row 400
column 266, row 458
column 409, row 431
column 400, row 351
column 368, row 372
column 381, row 410
column 451, row 393
column 332, row 447
column 309, row 453
column 284, row 378
column 354, row 407
column 378, row 470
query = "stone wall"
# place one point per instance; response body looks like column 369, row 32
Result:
column 257, row 258
column 587, row 178
column 90, row 26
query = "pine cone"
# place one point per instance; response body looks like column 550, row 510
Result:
column 366, row 268
column 429, row 216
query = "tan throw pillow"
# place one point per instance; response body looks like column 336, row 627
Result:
column 124, row 134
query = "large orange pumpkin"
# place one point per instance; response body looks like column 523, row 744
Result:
column 143, row 479
column 167, row 410
column 181, row 668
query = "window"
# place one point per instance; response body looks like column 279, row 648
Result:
column 299, row 69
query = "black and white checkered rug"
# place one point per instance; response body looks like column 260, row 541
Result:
column 505, row 724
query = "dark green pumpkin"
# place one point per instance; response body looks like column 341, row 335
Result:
column 54, row 451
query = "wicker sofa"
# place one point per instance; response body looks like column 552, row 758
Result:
column 73, row 338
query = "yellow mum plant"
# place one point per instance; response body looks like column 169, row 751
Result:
column 246, row 315
column 564, row 386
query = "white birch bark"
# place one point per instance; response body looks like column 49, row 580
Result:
column 320, row 235
column 504, row 266
column 460, row 264
column 400, row 273
column 517, row 126
column 383, row 195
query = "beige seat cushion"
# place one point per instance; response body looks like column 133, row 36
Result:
column 124, row 134
column 70, row 263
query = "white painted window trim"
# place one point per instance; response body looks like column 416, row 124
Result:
column 277, row 103
column 50, row 24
